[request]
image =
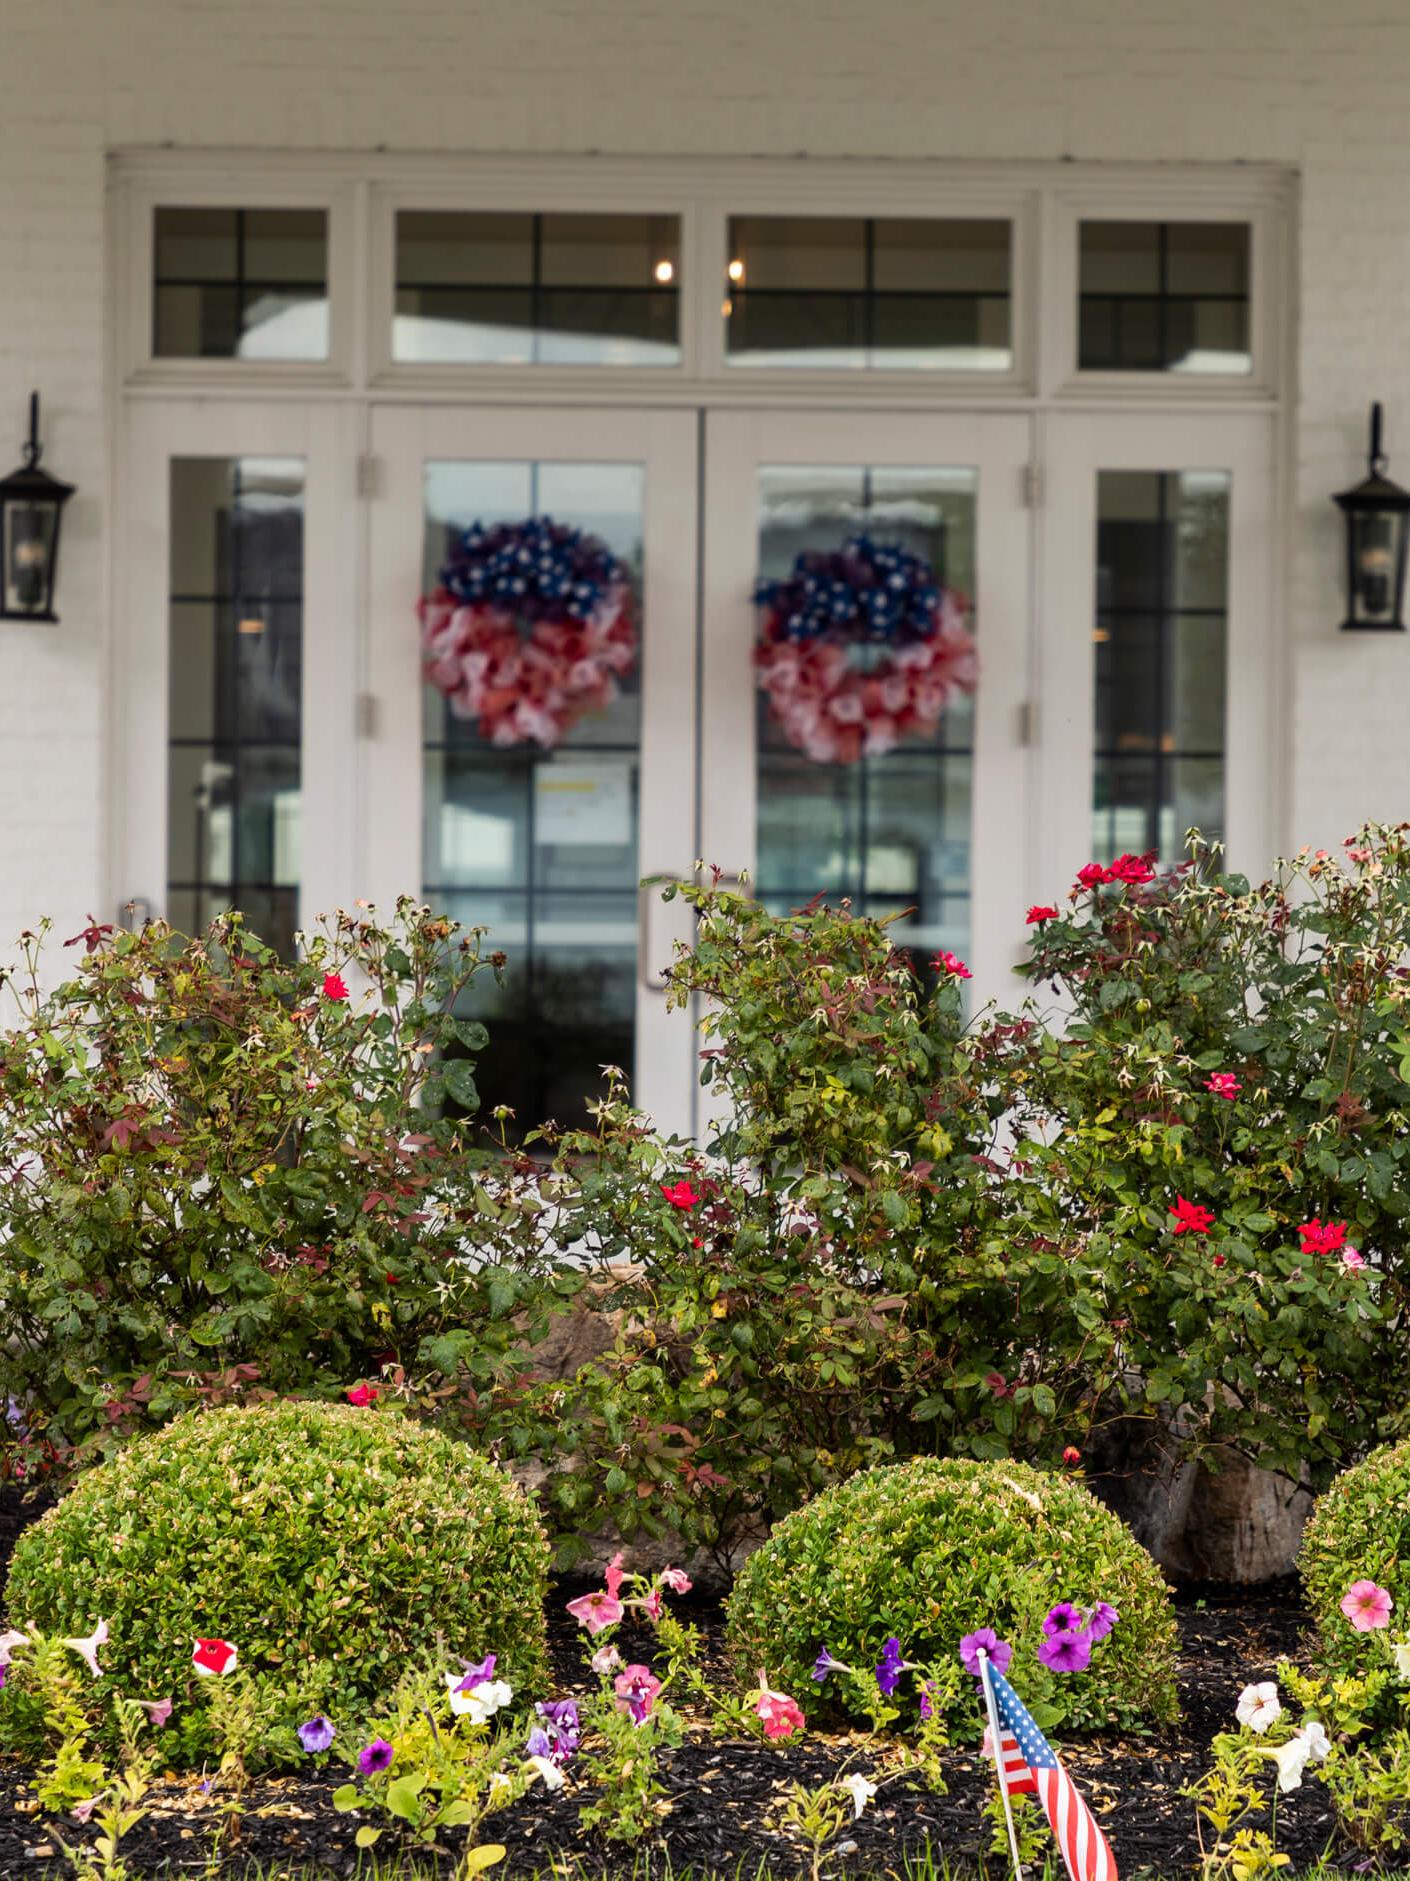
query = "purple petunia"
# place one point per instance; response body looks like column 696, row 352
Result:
column 1063, row 1618
column 892, row 1665
column 927, row 1691
column 985, row 1639
column 478, row 1674
column 1101, row 1620
column 537, row 1744
column 825, row 1664
column 561, row 1728
column 375, row 1756
column 1068, row 1651
column 317, row 1734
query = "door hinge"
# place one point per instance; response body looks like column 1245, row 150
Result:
column 1028, row 723
column 368, row 479
column 366, row 715
column 1032, row 485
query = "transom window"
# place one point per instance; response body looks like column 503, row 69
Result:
column 1164, row 297
column 240, row 283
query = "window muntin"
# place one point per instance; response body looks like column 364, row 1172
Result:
column 1164, row 297
column 488, row 287
column 1161, row 635
column 235, row 641
column 856, row 292
column 248, row 284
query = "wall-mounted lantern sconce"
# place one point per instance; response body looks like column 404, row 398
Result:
column 31, row 504
column 1377, row 515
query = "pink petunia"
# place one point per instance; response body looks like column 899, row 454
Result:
column 636, row 1687
column 676, row 1579
column 87, row 1649
column 1367, row 1606
column 596, row 1611
column 781, row 1715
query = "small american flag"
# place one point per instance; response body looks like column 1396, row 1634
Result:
column 1031, row 1767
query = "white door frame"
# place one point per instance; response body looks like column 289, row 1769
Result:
column 1079, row 445
column 997, row 448
column 155, row 434
column 404, row 438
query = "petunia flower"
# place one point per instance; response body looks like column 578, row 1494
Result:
column 475, row 1698
column 334, row 986
column 1401, row 1654
column 561, row 1728
column 860, row 1789
column 1190, row 1218
column 8, row 1643
column 1314, row 1735
column 677, row 1580
column 605, row 1659
column 1068, row 1651
column 825, row 1664
column 986, row 1640
column 890, row 1668
column 1063, row 1618
column 81, row 1812
column 636, row 1687
column 317, row 1734
column 613, row 1574
column 213, row 1658
column 1259, row 1706
column 158, row 1710
column 376, row 1756
column 87, row 1649
column 476, row 1673
column 1101, row 1620
column 679, row 1194
column 596, row 1611
column 1367, row 1606
column 781, row 1715
column 1291, row 1759
column 547, row 1771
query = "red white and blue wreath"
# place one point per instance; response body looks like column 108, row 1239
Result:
column 861, row 648
column 531, row 625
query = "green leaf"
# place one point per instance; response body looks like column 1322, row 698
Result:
column 367, row 1836
column 460, row 1083
column 471, row 1034
column 475, row 1860
column 347, row 1797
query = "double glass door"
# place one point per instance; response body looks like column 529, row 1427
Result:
column 278, row 748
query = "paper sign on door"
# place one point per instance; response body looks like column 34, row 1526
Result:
column 583, row 803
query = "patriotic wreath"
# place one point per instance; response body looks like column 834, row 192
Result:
column 860, row 647
column 530, row 626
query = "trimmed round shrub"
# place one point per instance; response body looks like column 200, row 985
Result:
column 1360, row 1531
column 332, row 1546
column 933, row 1549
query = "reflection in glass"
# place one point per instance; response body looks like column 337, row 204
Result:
column 482, row 287
column 1164, row 297
column 891, row 833
column 540, row 847
column 240, row 283
column 1161, row 640
column 852, row 291
column 235, row 641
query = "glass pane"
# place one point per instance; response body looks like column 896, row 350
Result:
column 1164, row 297
column 1161, row 655
column 490, row 288
column 855, row 292
column 540, row 845
column 235, row 643
column 891, row 832
column 240, row 283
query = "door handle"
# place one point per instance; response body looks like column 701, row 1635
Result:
column 646, row 897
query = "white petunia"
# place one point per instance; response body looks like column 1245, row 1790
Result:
column 479, row 1702
column 861, row 1791
column 1400, row 1653
column 1259, row 1706
column 1291, row 1759
column 1319, row 1745
column 546, row 1768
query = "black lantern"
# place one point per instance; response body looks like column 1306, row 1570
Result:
column 1377, row 515
column 31, row 503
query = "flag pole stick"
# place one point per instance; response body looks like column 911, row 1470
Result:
column 995, row 1735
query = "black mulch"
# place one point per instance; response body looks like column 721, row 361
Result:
column 722, row 1799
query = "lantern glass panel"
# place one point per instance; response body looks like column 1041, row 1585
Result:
column 30, row 528
column 1377, row 563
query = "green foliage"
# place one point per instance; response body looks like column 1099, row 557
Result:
column 930, row 1550
column 1296, row 991
column 222, row 1182
column 1360, row 1530
column 331, row 1546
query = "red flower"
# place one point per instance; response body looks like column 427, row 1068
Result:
column 213, row 1658
column 679, row 1194
column 1323, row 1237
column 1218, row 1259
column 1039, row 913
column 334, row 986
column 946, row 962
column 1190, row 1218
column 1092, row 875
column 1133, row 869
column 1223, row 1084
column 1071, row 1455
column 360, row 1394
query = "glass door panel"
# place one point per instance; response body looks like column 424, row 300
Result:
column 933, row 831
column 545, row 847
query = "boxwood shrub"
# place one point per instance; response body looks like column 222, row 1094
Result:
column 1360, row 1531
column 331, row 1545
column 930, row 1550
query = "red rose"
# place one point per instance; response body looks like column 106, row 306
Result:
column 360, row 1395
column 679, row 1194
column 334, row 986
column 946, row 962
column 1190, row 1218
column 1040, row 913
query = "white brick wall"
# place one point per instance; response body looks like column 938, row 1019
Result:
column 1319, row 84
